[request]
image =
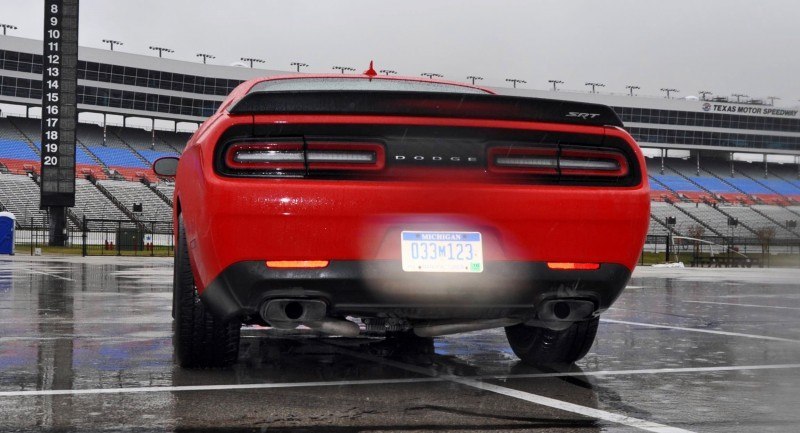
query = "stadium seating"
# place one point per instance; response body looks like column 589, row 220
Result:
column 661, row 211
column 20, row 195
column 92, row 203
column 683, row 187
column 758, row 200
column 152, row 155
column 128, row 193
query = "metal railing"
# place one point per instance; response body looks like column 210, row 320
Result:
column 101, row 237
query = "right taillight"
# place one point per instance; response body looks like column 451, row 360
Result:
column 574, row 161
column 564, row 161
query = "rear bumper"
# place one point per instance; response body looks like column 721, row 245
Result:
column 381, row 288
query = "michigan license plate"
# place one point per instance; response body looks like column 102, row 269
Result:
column 441, row 251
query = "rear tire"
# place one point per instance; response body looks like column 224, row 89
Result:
column 542, row 346
column 201, row 340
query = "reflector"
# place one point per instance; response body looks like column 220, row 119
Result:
column 297, row 264
column 573, row 266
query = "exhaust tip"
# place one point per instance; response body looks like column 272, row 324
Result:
column 561, row 310
column 293, row 310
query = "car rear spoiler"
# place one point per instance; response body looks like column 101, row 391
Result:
column 426, row 104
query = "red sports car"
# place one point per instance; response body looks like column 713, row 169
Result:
column 407, row 205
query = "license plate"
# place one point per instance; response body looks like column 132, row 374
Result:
column 441, row 251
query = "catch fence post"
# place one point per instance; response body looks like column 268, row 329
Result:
column 84, row 235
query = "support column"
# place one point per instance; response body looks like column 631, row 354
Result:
column 58, row 226
column 730, row 158
column 698, row 162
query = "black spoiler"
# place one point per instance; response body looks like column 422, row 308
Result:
column 426, row 104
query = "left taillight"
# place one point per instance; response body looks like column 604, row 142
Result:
column 293, row 158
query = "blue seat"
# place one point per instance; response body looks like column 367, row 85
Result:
column 114, row 157
column 713, row 184
column 781, row 186
column 14, row 149
column 676, row 183
column 153, row 155
column 749, row 186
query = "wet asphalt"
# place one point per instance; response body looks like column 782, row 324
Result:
column 86, row 345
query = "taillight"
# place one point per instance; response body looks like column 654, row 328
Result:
column 299, row 158
column 591, row 162
column 566, row 161
column 523, row 160
column 322, row 155
column 273, row 156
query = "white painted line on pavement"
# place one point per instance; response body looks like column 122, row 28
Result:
column 570, row 407
column 645, row 371
column 705, row 331
column 526, row 396
column 425, row 371
column 744, row 305
column 30, row 271
column 232, row 387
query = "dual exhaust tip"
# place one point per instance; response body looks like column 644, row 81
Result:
column 289, row 313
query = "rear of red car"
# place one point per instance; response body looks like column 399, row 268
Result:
column 424, row 206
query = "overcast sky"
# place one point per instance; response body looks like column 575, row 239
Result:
column 725, row 46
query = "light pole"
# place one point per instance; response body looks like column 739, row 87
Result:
column 594, row 85
column 7, row 27
column 252, row 60
column 632, row 88
column 431, row 75
column 514, row 81
column 555, row 82
column 299, row 65
column 772, row 99
column 703, row 93
column 388, row 72
column 474, row 78
column 206, row 56
column 343, row 68
column 669, row 90
column 111, row 43
column 161, row 50
column 739, row 95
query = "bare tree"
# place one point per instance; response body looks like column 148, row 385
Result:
column 765, row 236
column 696, row 231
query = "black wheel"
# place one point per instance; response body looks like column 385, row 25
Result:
column 201, row 340
column 542, row 346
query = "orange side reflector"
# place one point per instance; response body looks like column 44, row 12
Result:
column 297, row 263
column 573, row 266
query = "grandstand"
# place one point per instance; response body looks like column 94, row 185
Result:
column 704, row 187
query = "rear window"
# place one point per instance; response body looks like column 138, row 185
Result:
column 295, row 84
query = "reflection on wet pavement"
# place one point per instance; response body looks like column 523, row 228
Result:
column 85, row 344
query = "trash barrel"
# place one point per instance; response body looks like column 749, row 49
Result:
column 7, row 222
